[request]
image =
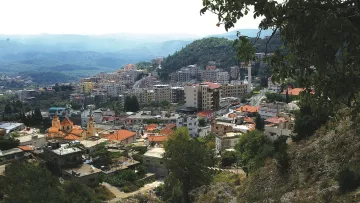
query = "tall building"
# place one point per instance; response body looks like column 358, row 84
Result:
column 234, row 90
column 222, row 77
column 183, row 75
column 189, row 121
column 203, row 96
column 234, row 72
column 209, row 75
column 162, row 93
column 177, row 94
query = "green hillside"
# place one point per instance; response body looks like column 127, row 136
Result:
column 220, row 50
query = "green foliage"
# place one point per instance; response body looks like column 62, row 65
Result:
column 281, row 155
column 38, row 185
column 131, row 104
column 253, row 148
column 202, row 122
column 348, row 180
column 228, row 158
column 209, row 140
column 226, row 177
column 101, row 155
column 170, row 191
column 181, row 153
column 9, row 143
column 259, row 122
column 140, row 149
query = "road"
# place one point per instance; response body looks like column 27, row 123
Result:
column 119, row 195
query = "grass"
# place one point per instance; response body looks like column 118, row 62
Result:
column 103, row 193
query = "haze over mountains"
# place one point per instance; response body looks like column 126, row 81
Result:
column 87, row 54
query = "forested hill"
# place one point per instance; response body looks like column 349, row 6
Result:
column 220, row 50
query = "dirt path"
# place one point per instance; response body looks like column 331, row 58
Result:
column 121, row 195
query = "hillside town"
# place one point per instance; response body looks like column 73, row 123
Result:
column 92, row 141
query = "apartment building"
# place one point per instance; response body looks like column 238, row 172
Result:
column 234, row 72
column 204, row 96
column 183, row 75
column 222, row 77
column 112, row 89
column 234, row 90
column 177, row 94
column 162, row 93
column 86, row 87
column 189, row 121
column 209, row 75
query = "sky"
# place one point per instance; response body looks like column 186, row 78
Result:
column 110, row 16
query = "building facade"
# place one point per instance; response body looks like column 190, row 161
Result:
column 189, row 121
column 234, row 90
column 162, row 93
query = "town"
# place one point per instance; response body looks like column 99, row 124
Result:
column 117, row 123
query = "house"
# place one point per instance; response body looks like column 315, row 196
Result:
column 36, row 140
column 189, row 121
column 10, row 155
column 166, row 131
column 63, row 155
column 151, row 127
column 153, row 160
column 156, row 139
column 123, row 136
column 11, row 127
column 207, row 115
column 84, row 174
column 278, row 126
column 221, row 128
column 268, row 110
column 226, row 141
column 248, row 109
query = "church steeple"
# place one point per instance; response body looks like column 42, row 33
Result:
column 55, row 122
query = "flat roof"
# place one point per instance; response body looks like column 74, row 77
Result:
column 10, row 151
column 155, row 152
column 84, row 170
column 10, row 126
column 65, row 149
column 27, row 138
column 92, row 143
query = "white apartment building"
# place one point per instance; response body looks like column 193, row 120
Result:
column 162, row 93
column 189, row 121
column 112, row 89
column 183, row 75
column 209, row 75
column 274, row 87
column 222, row 77
column 191, row 95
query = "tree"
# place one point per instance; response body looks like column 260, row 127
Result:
column 7, row 109
column 228, row 158
column 9, row 143
column 131, row 104
column 202, row 122
column 101, row 155
column 287, row 99
column 259, row 122
column 253, row 148
column 333, row 72
column 37, row 117
column 187, row 160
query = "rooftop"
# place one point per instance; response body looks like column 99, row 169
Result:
column 83, row 170
column 92, row 143
column 153, row 138
column 66, row 149
column 120, row 135
column 155, row 152
column 10, row 151
column 30, row 137
column 10, row 126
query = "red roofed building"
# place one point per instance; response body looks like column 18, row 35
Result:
column 210, row 67
column 204, row 96
column 170, row 126
column 278, row 126
column 207, row 115
column 151, row 127
column 123, row 136
column 156, row 139
column 248, row 108
column 166, row 131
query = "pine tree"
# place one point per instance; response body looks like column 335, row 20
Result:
column 259, row 122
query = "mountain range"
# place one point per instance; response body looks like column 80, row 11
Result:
column 91, row 53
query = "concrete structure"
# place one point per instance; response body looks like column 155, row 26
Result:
column 63, row 155
column 189, row 121
column 61, row 112
column 153, row 160
column 226, row 141
column 268, row 110
column 11, row 127
column 204, row 96
column 142, row 116
column 37, row 140
column 221, row 128
column 222, row 77
column 278, row 126
column 177, row 94
column 11, row 154
column 273, row 86
column 162, row 93
column 86, row 87
column 238, row 90
column 234, row 72
column 84, row 174
column 209, row 75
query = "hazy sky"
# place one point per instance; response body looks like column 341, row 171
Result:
column 109, row 16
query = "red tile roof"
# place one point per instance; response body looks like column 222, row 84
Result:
column 120, row 135
column 151, row 127
column 248, row 108
column 170, row 125
column 205, row 113
column 72, row 137
column 276, row 120
column 211, row 85
column 158, row 138
column 166, row 131
column 26, row 148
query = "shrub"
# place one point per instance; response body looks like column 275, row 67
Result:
column 348, row 180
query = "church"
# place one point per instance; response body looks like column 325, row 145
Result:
column 66, row 129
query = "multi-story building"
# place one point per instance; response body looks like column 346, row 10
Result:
column 61, row 112
column 112, row 89
column 226, row 141
column 204, row 96
column 86, row 87
column 273, row 86
column 277, row 126
column 268, row 110
column 234, row 90
column 162, row 93
column 177, row 94
column 194, row 70
column 145, row 96
column 234, row 72
column 189, row 121
column 174, row 77
column 184, row 75
column 222, row 77
column 209, row 75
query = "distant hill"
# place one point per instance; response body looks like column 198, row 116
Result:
column 220, row 50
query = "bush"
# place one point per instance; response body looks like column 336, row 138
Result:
column 140, row 149
column 348, row 180
column 228, row 159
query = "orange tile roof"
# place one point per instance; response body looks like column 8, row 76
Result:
column 166, row 131
column 26, row 148
column 120, row 135
column 294, row 92
column 211, row 85
column 56, row 134
column 276, row 120
column 77, row 132
column 249, row 120
column 248, row 108
column 205, row 113
column 66, row 121
column 158, row 138
column 150, row 127
column 72, row 137
column 53, row 130
column 170, row 125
